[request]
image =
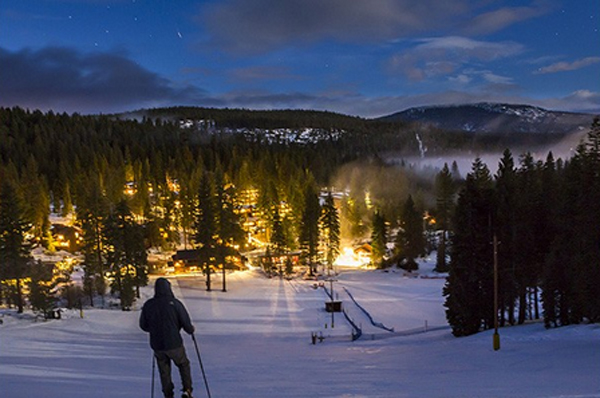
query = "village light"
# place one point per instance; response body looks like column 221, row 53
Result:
column 350, row 258
column 65, row 265
column 368, row 200
column 128, row 270
column 130, row 189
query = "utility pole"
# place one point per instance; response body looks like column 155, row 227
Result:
column 224, row 282
column 496, row 335
column 332, row 305
column 221, row 257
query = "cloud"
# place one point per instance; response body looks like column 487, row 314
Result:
column 452, row 52
column 65, row 79
column 568, row 66
column 577, row 101
column 489, row 77
column 261, row 73
column 240, row 26
column 468, row 48
column 497, row 79
column 542, row 60
column 499, row 19
column 461, row 79
column 258, row 26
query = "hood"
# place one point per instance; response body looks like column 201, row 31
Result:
column 162, row 288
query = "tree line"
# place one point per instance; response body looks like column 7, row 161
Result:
column 545, row 214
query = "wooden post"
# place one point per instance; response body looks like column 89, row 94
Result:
column 224, row 282
column 496, row 335
column 332, row 311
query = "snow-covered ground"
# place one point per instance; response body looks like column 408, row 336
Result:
column 255, row 341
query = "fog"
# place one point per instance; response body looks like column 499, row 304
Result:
column 384, row 184
column 424, row 162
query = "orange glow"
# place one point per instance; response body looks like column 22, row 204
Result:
column 349, row 258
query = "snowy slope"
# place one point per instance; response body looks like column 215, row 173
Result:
column 255, row 342
column 496, row 118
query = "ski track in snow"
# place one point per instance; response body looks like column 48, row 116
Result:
column 255, row 341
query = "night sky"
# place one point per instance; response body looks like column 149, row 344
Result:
column 366, row 58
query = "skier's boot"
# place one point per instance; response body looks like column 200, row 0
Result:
column 186, row 394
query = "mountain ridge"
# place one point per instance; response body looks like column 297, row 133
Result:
column 489, row 117
column 482, row 117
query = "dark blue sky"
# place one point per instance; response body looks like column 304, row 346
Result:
column 367, row 58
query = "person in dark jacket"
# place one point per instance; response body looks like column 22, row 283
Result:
column 163, row 316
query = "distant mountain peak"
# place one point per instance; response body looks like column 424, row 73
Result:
column 489, row 117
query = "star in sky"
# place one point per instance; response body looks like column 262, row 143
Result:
column 359, row 57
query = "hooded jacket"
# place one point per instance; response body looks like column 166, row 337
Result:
column 163, row 316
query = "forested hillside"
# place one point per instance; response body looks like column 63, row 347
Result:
column 149, row 178
column 545, row 214
column 133, row 185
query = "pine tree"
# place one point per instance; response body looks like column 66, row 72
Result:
column 91, row 214
column 126, row 254
column 444, row 189
column 229, row 230
column 592, row 286
column 585, row 171
column 15, row 251
column 268, row 264
column 188, row 199
column 37, row 206
column 140, row 202
column 379, row 237
column 269, row 197
column 410, row 241
column 469, row 287
column 41, row 287
column 551, row 279
column 455, row 171
column 62, row 190
column 309, row 227
column 528, row 257
column 506, row 231
column 331, row 230
column 169, row 221
column 205, row 226
column 278, row 240
column 67, row 206
column 289, row 267
column 562, row 297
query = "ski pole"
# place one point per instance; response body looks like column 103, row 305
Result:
column 153, row 371
column 201, row 366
